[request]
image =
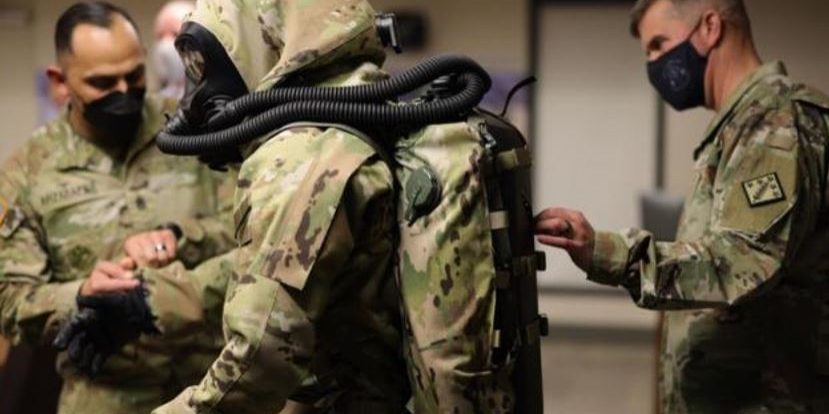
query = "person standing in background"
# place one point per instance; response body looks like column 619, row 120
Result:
column 166, row 63
column 90, row 192
column 26, row 366
column 746, row 284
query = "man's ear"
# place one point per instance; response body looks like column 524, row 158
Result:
column 55, row 74
column 58, row 90
column 711, row 29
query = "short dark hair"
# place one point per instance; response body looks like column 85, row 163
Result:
column 96, row 13
column 732, row 10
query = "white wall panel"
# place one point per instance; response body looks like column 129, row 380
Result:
column 595, row 117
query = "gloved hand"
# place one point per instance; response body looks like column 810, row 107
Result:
column 103, row 325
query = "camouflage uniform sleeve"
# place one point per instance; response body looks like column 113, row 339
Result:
column 185, row 301
column 270, row 313
column 211, row 235
column 32, row 305
column 755, row 223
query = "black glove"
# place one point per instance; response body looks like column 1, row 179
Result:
column 104, row 324
column 88, row 343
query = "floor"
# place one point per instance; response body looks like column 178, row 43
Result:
column 586, row 376
column 599, row 357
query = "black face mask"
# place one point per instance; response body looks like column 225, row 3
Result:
column 679, row 76
column 116, row 115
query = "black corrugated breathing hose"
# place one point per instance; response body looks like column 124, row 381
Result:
column 354, row 105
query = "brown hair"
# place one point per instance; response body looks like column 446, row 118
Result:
column 733, row 11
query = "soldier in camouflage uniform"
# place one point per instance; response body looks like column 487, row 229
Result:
column 82, row 195
column 747, row 281
column 314, row 220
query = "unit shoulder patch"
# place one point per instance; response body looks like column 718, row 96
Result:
column 764, row 190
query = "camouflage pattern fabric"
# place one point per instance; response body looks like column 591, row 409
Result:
column 447, row 276
column 314, row 221
column 188, row 305
column 748, row 279
column 186, row 301
column 66, row 204
column 271, row 39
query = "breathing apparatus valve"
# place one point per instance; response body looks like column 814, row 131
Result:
column 386, row 24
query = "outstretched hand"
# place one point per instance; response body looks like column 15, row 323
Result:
column 568, row 230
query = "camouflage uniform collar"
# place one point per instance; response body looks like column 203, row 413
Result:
column 152, row 120
column 77, row 152
column 736, row 100
column 73, row 151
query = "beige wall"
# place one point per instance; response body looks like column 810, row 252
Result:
column 794, row 31
column 17, row 104
column 594, row 149
column 491, row 31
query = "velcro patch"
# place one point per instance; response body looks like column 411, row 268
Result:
column 764, row 190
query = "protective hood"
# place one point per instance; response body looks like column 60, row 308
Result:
column 267, row 40
column 254, row 66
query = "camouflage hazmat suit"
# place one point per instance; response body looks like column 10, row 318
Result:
column 67, row 204
column 747, row 282
column 314, row 220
